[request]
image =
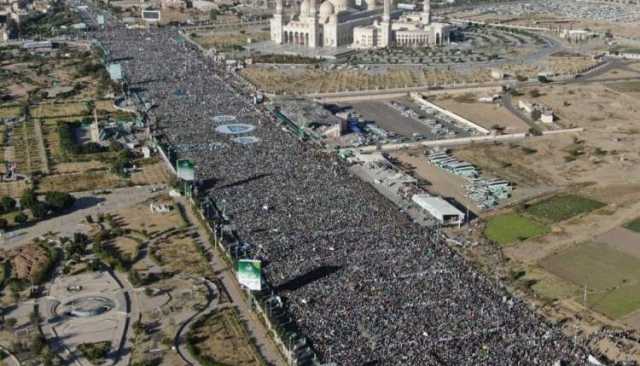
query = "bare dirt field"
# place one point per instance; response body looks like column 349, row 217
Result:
column 222, row 338
column 13, row 189
column 140, row 218
column 225, row 39
column 616, row 74
column 486, row 115
column 78, row 167
column 442, row 182
column 78, row 182
column 127, row 246
column 621, row 239
column 151, row 174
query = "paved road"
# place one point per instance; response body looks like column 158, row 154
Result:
column 86, row 204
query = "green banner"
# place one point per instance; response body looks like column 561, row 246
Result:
column 185, row 169
column 250, row 273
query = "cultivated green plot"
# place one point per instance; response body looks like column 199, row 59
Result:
column 633, row 225
column 560, row 208
column 616, row 303
column 612, row 278
column 508, row 228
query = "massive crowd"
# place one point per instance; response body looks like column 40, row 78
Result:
column 365, row 284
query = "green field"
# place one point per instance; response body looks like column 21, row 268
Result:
column 616, row 303
column 633, row 225
column 507, row 228
column 612, row 277
column 560, row 208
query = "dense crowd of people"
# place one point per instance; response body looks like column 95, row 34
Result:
column 365, row 284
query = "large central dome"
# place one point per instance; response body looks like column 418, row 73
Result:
column 326, row 10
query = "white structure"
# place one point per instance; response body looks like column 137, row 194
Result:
column 442, row 210
column 339, row 23
column 547, row 116
column 160, row 207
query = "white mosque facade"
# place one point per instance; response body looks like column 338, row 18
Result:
column 338, row 23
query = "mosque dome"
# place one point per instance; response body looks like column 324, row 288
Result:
column 326, row 9
column 305, row 8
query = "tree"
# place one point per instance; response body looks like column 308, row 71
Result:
column 8, row 204
column 59, row 201
column 20, row 218
column 4, row 224
column 138, row 328
column 11, row 322
column 38, row 343
column 28, row 199
column 39, row 210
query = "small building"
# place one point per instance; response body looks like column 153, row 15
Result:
column 547, row 116
column 441, row 210
column 146, row 152
column 159, row 207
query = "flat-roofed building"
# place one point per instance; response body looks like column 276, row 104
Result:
column 441, row 210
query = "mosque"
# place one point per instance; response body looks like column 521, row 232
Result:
column 339, row 23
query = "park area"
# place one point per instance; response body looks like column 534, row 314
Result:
column 310, row 79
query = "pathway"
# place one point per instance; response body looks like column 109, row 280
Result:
column 265, row 344
column 184, row 329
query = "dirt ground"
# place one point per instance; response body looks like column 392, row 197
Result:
column 621, row 239
column 442, row 182
column 78, row 182
column 224, row 339
column 486, row 115
column 151, row 174
column 78, row 167
column 13, row 189
column 128, row 246
column 140, row 218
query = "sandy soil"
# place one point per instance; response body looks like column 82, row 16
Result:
column 486, row 115
column 78, row 167
column 151, row 174
column 140, row 218
column 442, row 183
